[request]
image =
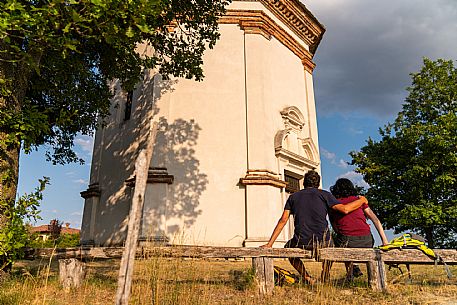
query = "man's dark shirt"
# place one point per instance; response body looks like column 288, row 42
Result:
column 309, row 208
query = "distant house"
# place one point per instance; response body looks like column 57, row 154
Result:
column 45, row 231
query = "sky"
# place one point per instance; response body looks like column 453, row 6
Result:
column 363, row 65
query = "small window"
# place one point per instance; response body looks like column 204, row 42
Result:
column 293, row 183
column 128, row 106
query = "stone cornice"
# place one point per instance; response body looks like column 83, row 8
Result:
column 292, row 157
column 92, row 191
column 155, row 175
column 262, row 177
column 298, row 18
column 258, row 22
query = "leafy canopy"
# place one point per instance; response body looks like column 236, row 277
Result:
column 57, row 56
column 412, row 170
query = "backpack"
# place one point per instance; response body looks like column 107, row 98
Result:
column 413, row 241
column 283, row 276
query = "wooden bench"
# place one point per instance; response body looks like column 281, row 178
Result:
column 376, row 260
column 71, row 260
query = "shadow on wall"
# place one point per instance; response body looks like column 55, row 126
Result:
column 119, row 145
column 171, row 209
column 181, row 138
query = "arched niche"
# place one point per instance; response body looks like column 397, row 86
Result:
column 294, row 151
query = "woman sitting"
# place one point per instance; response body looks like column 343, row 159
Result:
column 352, row 230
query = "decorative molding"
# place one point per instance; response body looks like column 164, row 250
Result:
column 311, row 149
column 290, row 146
column 258, row 22
column 262, row 177
column 295, row 160
column 293, row 118
column 299, row 19
column 92, row 191
column 155, row 175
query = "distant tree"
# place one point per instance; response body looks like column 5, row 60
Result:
column 55, row 227
column 412, row 170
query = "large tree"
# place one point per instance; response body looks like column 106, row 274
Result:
column 412, row 169
column 57, row 57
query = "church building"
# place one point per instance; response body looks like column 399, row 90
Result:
column 229, row 150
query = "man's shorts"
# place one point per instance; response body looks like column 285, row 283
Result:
column 345, row 241
column 312, row 245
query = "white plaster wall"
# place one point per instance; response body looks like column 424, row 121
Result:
column 264, row 207
column 207, row 205
column 276, row 79
column 120, row 142
column 204, row 143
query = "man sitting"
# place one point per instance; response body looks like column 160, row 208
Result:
column 310, row 207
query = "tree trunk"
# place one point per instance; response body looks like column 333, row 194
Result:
column 14, row 74
column 9, row 161
column 14, row 77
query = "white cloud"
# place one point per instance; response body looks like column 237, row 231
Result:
column 86, row 143
column 328, row 155
column 80, row 181
column 370, row 47
column 356, row 178
column 77, row 213
column 333, row 159
column 343, row 164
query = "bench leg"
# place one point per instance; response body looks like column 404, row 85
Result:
column 71, row 273
column 377, row 275
column 264, row 274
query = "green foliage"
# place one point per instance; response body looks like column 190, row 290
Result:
column 57, row 57
column 14, row 236
column 63, row 241
column 412, row 170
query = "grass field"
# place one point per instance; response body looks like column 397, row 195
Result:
column 179, row 281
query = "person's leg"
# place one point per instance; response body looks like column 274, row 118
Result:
column 300, row 267
column 366, row 241
column 356, row 272
column 349, row 271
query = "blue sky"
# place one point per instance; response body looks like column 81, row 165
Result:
column 363, row 66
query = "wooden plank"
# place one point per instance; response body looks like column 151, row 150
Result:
column 82, row 253
column 264, row 274
column 227, row 252
column 128, row 257
column 411, row 256
column 167, row 251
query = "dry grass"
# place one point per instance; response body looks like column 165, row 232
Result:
column 180, row 281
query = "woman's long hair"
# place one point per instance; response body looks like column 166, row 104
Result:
column 343, row 188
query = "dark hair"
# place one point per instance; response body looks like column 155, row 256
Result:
column 343, row 188
column 312, row 179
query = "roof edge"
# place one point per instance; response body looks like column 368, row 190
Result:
column 299, row 19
